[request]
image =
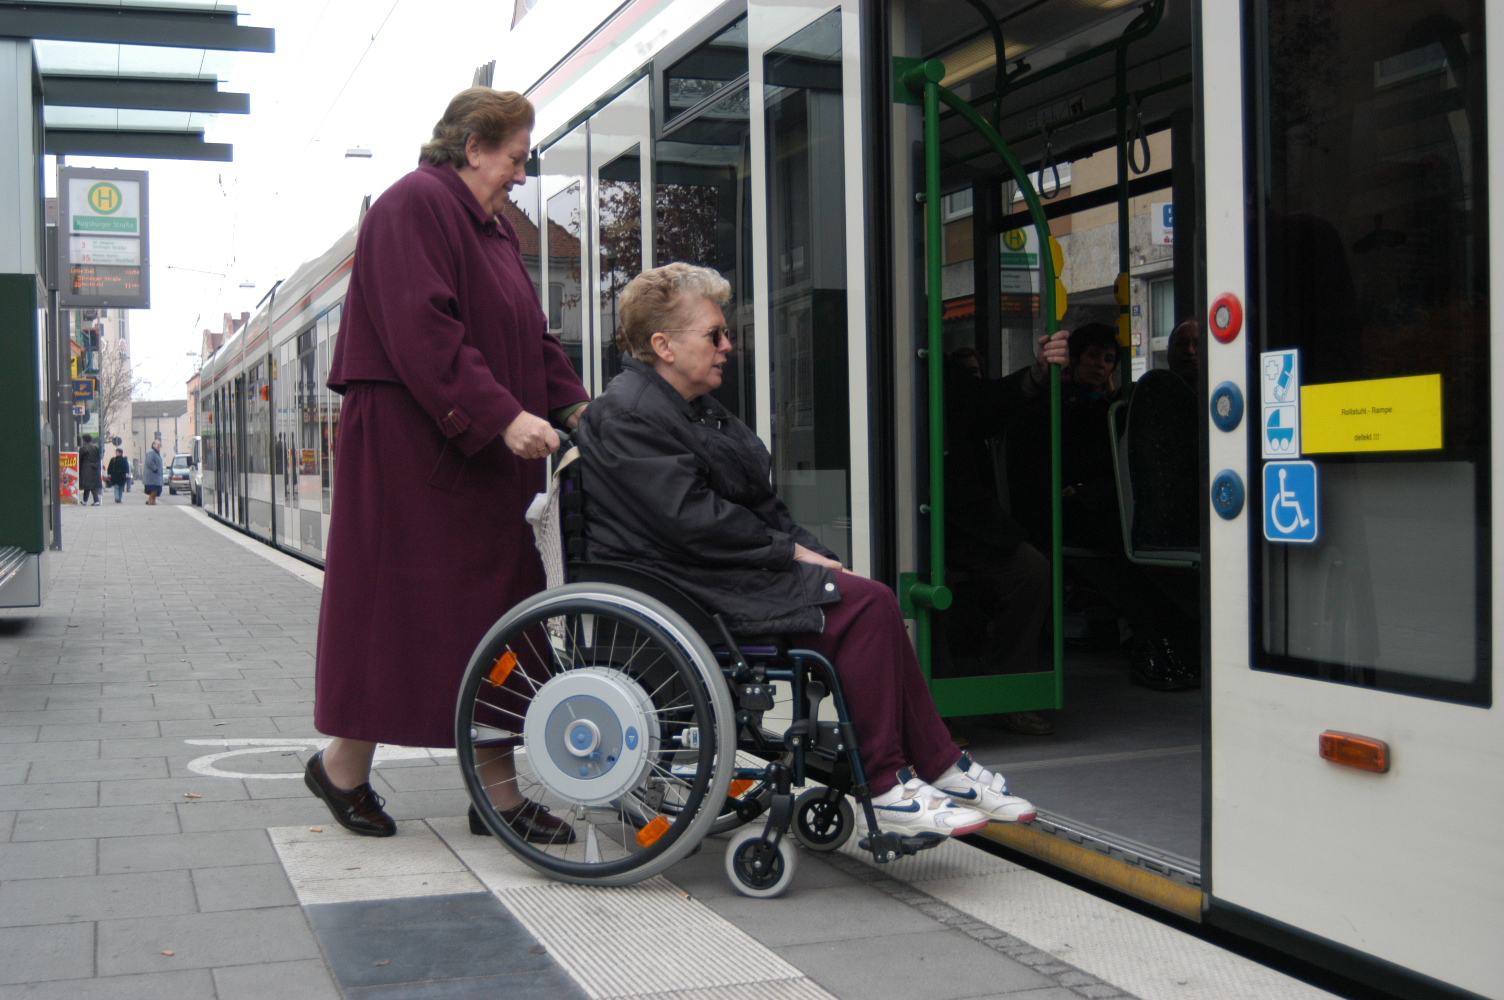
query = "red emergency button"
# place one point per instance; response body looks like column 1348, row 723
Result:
column 1226, row 317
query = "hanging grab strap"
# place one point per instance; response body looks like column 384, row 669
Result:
column 1048, row 163
column 1136, row 135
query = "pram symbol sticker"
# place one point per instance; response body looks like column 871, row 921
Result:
column 1279, row 394
column 1290, row 502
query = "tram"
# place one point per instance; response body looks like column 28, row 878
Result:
column 893, row 185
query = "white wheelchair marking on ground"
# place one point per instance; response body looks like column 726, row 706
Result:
column 207, row 765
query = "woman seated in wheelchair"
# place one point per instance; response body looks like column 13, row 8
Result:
column 676, row 484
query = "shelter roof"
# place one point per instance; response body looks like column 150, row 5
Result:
column 134, row 77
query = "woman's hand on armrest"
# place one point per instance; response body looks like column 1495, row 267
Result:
column 802, row 554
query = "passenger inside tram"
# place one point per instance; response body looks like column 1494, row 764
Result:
column 1002, row 581
column 1159, row 604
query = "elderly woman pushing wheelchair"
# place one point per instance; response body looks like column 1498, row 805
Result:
column 678, row 485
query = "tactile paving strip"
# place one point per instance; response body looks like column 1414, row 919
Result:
column 643, row 940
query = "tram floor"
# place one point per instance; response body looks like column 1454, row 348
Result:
column 1123, row 760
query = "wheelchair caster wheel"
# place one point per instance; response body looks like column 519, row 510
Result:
column 741, row 860
column 820, row 822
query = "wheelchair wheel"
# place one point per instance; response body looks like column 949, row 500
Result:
column 743, row 790
column 614, row 715
column 741, row 858
column 822, row 823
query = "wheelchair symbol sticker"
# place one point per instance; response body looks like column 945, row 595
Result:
column 1290, row 502
column 1279, row 396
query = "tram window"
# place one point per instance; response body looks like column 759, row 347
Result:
column 326, row 408
column 619, row 218
column 807, row 258
column 702, row 214
column 1371, row 256
column 308, row 443
column 562, row 183
column 1161, row 321
column 706, row 71
column 336, row 401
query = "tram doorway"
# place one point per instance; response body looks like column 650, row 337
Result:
column 1107, row 138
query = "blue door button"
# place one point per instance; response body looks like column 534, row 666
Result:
column 1227, row 494
column 1227, row 406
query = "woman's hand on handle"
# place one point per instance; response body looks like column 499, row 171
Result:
column 1052, row 351
column 802, row 554
column 530, row 437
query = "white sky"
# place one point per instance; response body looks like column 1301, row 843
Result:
column 290, row 191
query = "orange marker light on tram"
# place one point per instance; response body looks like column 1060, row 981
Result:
column 1362, row 752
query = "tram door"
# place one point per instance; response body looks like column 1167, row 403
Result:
column 1356, row 745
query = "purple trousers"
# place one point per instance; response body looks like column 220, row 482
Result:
column 890, row 704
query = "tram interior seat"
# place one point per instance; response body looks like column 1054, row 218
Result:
column 1155, row 458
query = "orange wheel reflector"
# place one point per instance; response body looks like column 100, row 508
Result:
column 1362, row 752
column 503, row 668
column 739, row 787
column 648, row 835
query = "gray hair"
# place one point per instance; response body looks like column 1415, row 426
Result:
column 654, row 301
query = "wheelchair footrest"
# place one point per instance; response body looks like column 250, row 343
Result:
column 887, row 847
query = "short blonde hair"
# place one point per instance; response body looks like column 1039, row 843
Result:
column 492, row 116
column 653, row 302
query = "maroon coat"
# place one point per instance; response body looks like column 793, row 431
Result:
column 441, row 346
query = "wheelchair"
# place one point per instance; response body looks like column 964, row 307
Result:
column 638, row 719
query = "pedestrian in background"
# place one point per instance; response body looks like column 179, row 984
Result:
column 151, row 477
column 116, row 473
column 450, row 378
column 88, row 469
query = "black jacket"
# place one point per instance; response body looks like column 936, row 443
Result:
column 88, row 466
column 118, row 470
column 683, row 489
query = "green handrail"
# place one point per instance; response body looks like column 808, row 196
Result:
column 922, row 79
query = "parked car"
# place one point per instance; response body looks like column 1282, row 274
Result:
column 179, row 476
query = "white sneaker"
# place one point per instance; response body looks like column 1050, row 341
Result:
column 972, row 785
column 915, row 809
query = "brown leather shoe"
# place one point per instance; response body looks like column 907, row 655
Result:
column 357, row 810
column 531, row 821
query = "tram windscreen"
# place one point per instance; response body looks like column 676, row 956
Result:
column 1370, row 246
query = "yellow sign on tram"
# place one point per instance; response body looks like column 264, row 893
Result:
column 1382, row 414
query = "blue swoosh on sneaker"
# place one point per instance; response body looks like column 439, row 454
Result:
column 967, row 795
column 912, row 807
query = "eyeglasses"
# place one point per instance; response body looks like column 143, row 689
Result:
column 715, row 334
